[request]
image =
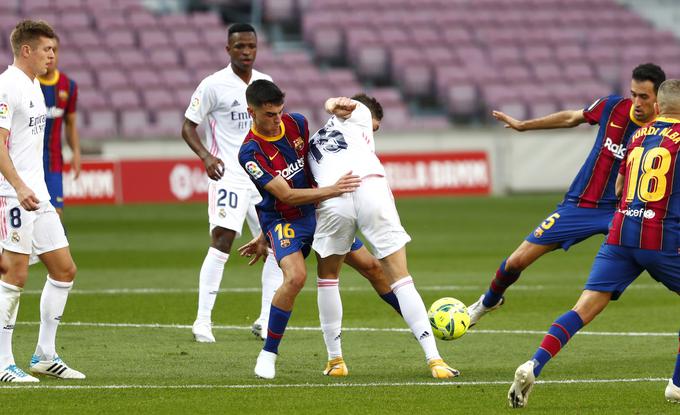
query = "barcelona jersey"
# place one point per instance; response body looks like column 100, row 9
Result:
column 648, row 216
column 61, row 94
column 265, row 158
column 593, row 186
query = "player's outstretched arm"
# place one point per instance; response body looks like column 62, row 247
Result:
column 25, row 195
column 282, row 191
column 214, row 167
column 255, row 249
column 340, row 106
column 562, row 119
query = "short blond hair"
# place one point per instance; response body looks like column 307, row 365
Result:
column 668, row 97
column 28, row 32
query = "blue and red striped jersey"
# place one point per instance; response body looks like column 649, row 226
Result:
column 61, row 95
column 648, row 216
column 264, row 158
column 593, row 186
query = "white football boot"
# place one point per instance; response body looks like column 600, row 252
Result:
column 518, row 395
column 53, row 367
column 477, row 310
column 265, row 367
column 202, row 331
column 672, row 392
column 14, row 374
column 259, row 329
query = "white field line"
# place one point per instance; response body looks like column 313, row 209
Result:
column 331, row 385
column 367, row 288
column 347, row 329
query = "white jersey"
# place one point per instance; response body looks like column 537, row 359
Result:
column 23, row 113
column 344, row 145
column 220, row 100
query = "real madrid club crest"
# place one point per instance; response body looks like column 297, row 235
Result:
column 15, row 237
column 222, row 213
column 298, row 143
column 285, row 243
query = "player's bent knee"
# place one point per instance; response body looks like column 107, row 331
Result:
column 66, row 274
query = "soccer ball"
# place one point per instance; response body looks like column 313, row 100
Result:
column 449, row 318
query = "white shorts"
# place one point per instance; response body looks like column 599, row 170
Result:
column 371, row 210
column 32, row 233
column 229, row 206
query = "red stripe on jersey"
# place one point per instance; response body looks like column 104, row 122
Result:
column 651, row 232
column 614, row 132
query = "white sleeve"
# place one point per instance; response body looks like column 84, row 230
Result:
column 8, row 104
column 361, row 116
column 202, row 103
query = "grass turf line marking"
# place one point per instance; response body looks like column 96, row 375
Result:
column 358, row 329
column 239, row 290
column 331, row 385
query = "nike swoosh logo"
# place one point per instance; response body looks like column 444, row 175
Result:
column 272, row 157
column 611, row 124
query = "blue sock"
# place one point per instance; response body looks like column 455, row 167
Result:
column 557, row 337
column 676, row 374
column 278, row 320
column 499, row 284
column 391, row 299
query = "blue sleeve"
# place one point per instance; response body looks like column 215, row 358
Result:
column 253, row 163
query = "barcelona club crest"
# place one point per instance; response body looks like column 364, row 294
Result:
column 63, row 95
column 285, row 243
column 538, row 232
column 298, row 143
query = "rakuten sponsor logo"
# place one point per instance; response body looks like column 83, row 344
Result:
column 186, row 181
column 292, row 169
column 618, row 150
column 638, row 213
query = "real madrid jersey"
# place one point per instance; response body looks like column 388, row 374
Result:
column 344, row 145
column 220, row 100
column 23, row 113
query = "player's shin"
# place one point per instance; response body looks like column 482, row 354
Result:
column 278, row 320
column 501, row 281
column 391, row 299
column 52, row 304
column 330, row 315
column 561, row 331
column 415, row 314
column 9, row 306
column 676, row 373
column 272, row 278
column 209, row 282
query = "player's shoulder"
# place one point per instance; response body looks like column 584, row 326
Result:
column 296, row 119
column 257, row 75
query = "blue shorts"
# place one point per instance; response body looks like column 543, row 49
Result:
column 616, row 267
column 569, row 225
column 287, row 237
column 55, row 185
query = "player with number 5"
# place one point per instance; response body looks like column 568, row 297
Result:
column 590, row 202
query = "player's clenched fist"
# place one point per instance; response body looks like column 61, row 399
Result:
column 214, row 167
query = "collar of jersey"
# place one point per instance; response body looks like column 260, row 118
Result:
column 632, row 118
column 51, row 81
column 668, row 120
column 267, row 138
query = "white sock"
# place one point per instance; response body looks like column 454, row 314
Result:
column 9, row 306
column 330, row 315
column 272, row 278
column 52, row 303
column 209, row 282
column 415, row 315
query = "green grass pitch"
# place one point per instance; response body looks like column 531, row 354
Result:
column 127, row 324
